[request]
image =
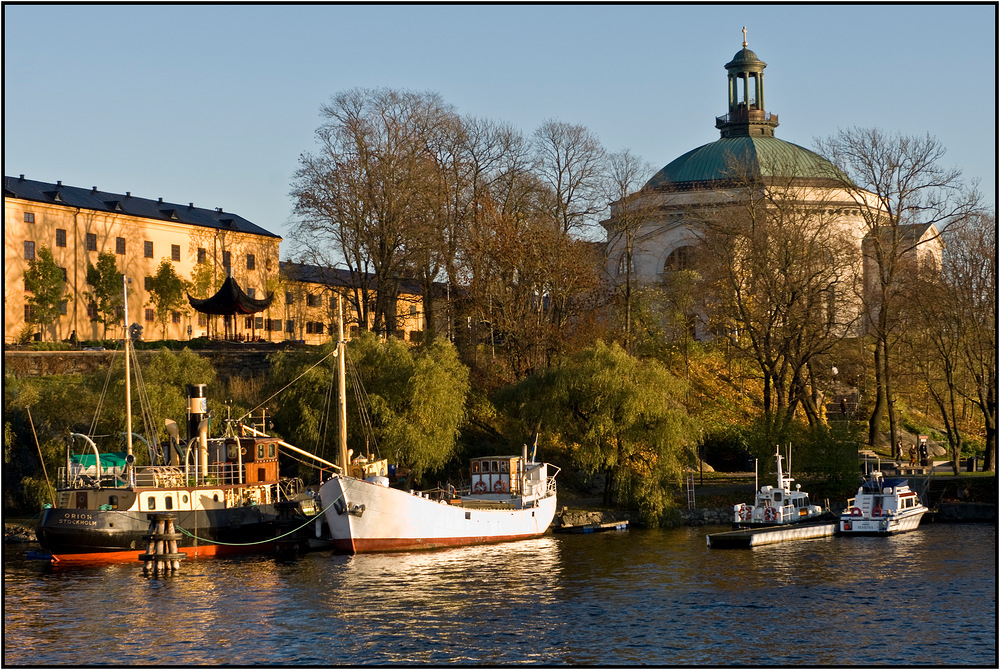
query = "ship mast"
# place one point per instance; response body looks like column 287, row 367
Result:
column 128, row 380
column 341, row 387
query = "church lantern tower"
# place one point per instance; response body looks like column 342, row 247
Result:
column 747, row 116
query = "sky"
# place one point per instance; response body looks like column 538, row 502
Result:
column 214, row 104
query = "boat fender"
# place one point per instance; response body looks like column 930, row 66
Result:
column 499, row 487
column 855, row 511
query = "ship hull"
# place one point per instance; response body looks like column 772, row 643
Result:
column 107, row 536
column 366, row 517
column 854, row 525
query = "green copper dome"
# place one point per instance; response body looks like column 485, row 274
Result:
column 767, row 157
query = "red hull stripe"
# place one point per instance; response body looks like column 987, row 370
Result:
column 362, row 546
column 206, row 551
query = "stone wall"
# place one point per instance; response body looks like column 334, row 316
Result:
column 228, row 364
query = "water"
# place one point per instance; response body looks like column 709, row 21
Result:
column 622, row 598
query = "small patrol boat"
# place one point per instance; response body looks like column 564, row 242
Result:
column 882, row 507
column 776, row 505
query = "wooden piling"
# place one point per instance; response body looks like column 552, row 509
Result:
column 161, row 545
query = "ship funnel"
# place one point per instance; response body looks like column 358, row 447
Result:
column 197, row 408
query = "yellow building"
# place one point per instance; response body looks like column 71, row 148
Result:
column 307, row 302
column 78, row 223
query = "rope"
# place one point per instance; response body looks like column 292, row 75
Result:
column 250, row 544
column 282, row 389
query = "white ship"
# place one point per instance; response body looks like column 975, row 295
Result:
column 509, row 498
column 776, row 506
column 882, row 507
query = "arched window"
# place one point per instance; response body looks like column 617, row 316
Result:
column 679, row 259
column 625, row 264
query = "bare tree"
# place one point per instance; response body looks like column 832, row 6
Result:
column 895, row 181
column 631, row 209
column 359, row 196
column 570, row 159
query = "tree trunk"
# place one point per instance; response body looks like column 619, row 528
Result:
column 875, row 420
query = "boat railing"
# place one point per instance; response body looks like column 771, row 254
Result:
column 149, row 476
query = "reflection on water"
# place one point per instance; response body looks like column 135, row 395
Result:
column 636, row 597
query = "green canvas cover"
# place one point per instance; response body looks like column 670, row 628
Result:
column 108, row 460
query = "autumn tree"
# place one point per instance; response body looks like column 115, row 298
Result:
column 166, row 293
column 105, row 294
column 778, row 267
column 45, row 283
column 895, row 182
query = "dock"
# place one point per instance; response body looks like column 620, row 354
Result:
column 756, row 537
column 593, row 527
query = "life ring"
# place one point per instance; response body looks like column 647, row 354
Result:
column 480, row 487
column 499, row 486
column 770, row 514
column 746, row 513
column 855, row 511
column 877, row 511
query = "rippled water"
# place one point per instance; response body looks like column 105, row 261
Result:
column 626, row 598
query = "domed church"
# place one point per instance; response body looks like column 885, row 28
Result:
column 663, row 222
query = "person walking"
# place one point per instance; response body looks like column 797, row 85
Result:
column 913, row 455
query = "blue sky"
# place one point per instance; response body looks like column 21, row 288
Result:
column 215, row 103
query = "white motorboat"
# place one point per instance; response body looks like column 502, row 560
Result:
column 882, row 507
column 508, row 498
column 776, row 505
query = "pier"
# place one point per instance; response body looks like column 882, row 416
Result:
column 756, row 537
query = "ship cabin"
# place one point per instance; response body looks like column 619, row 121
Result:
column 238, row 471
column 493, row 474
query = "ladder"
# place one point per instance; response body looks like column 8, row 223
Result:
column 689, row 481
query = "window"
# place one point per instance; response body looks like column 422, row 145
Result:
column 147, row 281
column 679, row 259
column 150, row 315
column 65, row 274
column 120, row 245
column 252, row 292
column 90, row 242
column 309, row 327
column 168, row 502
column 258, row 322
column 175, row 252
column 29, row 217
column 318, row 328
column 202, row 255
column 91, row 311
column 226, row 259
column 249, row 322
column 29, row 250
column 251, row 262
column 289, row 298
column 60, row 237
column 413, row 310
column 202, row 319
column 175, row 317
column 151, row 503
column 276, row 325
column 29, row 313
column 312, row 300
column 62, row 307
column 290, row 326
column 147, row 249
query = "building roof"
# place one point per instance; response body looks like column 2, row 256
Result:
column 319, row 274
column 116, row 203
column 767, row 156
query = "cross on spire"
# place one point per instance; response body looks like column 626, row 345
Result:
column 744, row 37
